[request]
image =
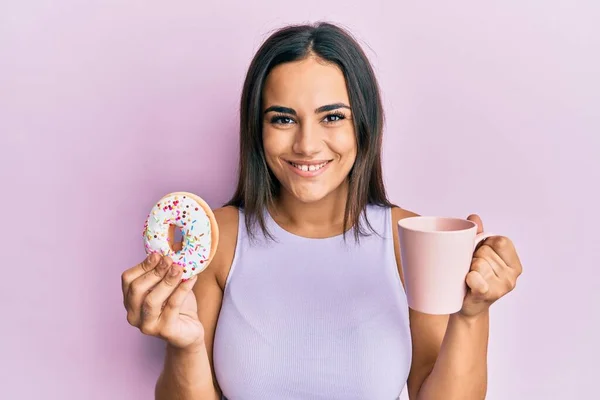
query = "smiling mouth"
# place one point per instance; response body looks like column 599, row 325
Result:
column 308, row 167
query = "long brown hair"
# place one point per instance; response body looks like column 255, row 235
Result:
column 257, row 187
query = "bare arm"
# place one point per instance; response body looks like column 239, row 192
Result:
column 460, row 370
column 449, row 352
column 186, row 375
column 449, row 357
column 189, row 374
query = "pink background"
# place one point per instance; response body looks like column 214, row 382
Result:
column 107, row 105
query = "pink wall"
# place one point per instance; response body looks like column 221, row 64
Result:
column 105, row 106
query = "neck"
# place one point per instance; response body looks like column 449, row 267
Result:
column 319, row 217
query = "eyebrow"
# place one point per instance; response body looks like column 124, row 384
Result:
column 322, row 109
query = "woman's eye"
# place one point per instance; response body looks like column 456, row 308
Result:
column 334, row 118
column 284, row 120
column 281, row 120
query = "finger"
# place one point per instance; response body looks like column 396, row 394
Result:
column 178, row 296
column 505, row 248
column 477, row 284
column 140, row 288
column 133, row 273
column 173, row 305
column 497, row 264
column 153, row 302
column 505, row 273
column 484, row 267
column 475, row 218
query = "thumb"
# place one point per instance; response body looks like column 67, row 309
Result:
column 475, row 218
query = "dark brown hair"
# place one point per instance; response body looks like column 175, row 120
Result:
column 257, row 187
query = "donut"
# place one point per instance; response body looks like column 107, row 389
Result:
column 199, row 229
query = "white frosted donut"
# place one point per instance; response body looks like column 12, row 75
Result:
column 199, row 229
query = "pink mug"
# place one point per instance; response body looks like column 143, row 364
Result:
column 436, row 254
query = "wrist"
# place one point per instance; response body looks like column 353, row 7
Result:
column 473, row 319
column 199, row 346
column 186, row 374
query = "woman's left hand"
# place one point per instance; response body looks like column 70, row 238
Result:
column 495, row 269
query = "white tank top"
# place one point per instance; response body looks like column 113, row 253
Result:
column 314, row 318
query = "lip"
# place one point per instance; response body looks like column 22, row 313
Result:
column 311, row 162
column 308, row 174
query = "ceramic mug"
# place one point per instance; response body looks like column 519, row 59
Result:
column 436, row 255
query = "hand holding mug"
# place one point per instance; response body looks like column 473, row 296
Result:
column 494, row 271
column 451, row 265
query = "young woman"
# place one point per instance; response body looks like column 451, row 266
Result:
column 304, row 298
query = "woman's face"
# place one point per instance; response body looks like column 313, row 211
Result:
column 308, row 134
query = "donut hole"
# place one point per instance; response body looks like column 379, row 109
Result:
column 175, row 238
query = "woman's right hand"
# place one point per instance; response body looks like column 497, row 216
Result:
column 160, row 304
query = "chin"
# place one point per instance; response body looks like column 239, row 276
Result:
column 311, row 195
column 310, row 198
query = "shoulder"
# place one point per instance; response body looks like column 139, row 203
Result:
column 227, row 221
column 227, row 217
column 398, row 214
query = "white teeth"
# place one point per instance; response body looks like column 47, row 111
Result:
column 305, row 168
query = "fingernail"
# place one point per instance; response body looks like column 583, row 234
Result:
column 174, row 270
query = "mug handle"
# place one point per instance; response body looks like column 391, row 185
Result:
column 480, row 238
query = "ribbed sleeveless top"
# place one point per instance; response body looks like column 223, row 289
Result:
column 307, row 319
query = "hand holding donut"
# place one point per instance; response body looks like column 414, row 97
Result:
column 495, row 269
column 160, row 304
column 157, row 293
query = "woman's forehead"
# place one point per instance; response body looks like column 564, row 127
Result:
column 305, row 84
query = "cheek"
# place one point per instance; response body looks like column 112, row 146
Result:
column 343, row 143
column 271, row 144
column 275, row 145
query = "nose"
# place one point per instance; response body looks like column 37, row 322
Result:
column 308, row 140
